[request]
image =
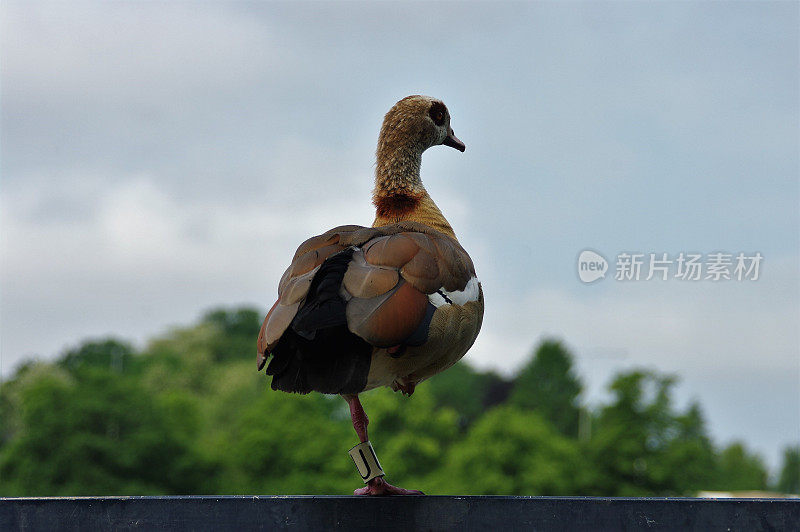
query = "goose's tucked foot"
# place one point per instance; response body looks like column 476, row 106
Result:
column 407, row 388
column 378, row 486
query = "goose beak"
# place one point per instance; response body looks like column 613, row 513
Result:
column 452, row 141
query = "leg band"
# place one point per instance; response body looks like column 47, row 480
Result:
column 367, row 463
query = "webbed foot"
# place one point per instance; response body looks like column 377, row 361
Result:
column 378, row 486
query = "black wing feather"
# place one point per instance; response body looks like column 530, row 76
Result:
column 318, row 352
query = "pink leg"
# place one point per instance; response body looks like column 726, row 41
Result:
column 376, row 486
column 359, row 417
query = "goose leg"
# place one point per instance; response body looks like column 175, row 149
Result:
column 376, row 486
column 359, row 417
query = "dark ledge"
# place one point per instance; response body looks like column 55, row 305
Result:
column 396, row 513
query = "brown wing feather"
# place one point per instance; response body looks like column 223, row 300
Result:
column 423, row 272
column 365, row 281
column 387, row 320
column 276, row 322
column 263, row 346
column 394, row 250
column 385, row 286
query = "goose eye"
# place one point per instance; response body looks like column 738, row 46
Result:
column 437, row 113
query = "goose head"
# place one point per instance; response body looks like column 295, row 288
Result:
column 417, row 122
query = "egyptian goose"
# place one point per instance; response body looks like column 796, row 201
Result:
column 387, row 305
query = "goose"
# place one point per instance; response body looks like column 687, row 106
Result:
column 388, row 305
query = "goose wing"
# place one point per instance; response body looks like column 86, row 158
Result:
column 353, row 289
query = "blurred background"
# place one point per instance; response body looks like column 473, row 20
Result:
column 162, row 161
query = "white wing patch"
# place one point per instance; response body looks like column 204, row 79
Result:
column 471, row 292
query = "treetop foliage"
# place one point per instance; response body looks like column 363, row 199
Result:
column 189, row 414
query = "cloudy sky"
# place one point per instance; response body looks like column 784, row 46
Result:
column 159, row 159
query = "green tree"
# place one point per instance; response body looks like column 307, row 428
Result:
column 109, row 353
column 96, row 434
column 789, row 480
column 235, row 330
column 467, row 391
column 642, row 446
column 549, row 385
column 688, row 457
column 190, row 414
column 288, row 444
column 510, row 451
column 739, row 470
